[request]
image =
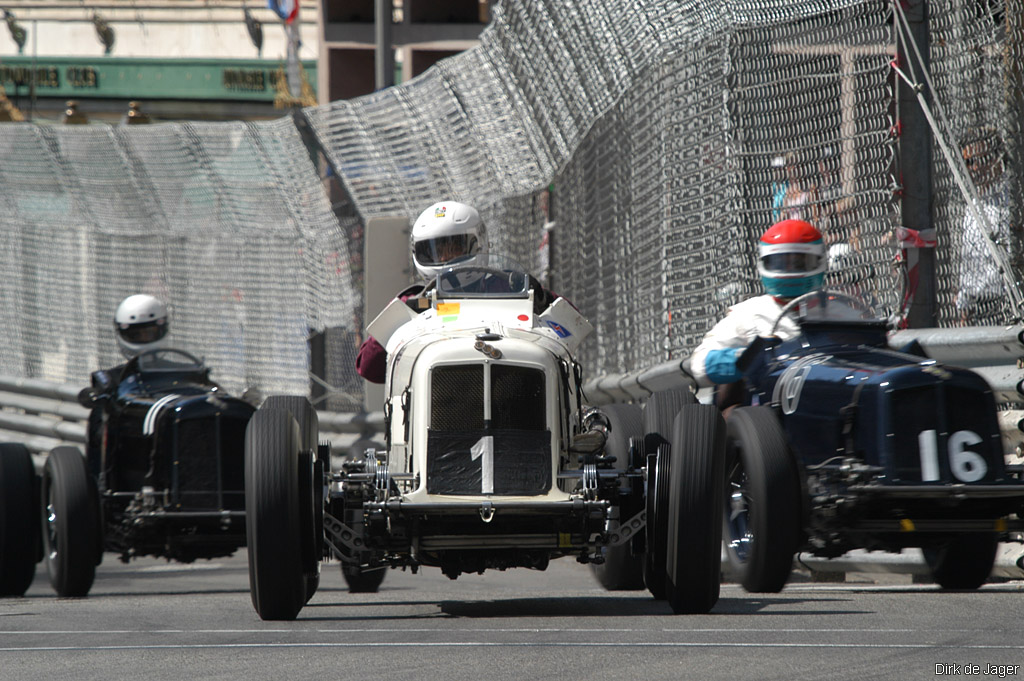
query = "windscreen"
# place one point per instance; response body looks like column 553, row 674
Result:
column 483, row 276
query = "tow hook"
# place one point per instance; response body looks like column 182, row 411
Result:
column 486, row 512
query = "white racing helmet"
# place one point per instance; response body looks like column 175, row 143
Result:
column 141, row 324
column 445, row 232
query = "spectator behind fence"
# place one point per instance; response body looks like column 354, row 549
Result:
column 981, row 285
column 829, row 194
column 800, row 199
column 778, row 187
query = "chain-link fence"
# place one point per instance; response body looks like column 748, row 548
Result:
column 650, row 141
column 672, row 134
column 977, row 56
column 226, row 222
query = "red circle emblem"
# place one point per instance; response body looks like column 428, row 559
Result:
column 524, row 318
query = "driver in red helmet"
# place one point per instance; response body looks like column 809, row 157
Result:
column 791, row 260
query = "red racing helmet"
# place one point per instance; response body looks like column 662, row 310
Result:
column 791, row 258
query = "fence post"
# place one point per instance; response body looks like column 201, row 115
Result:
column 1013, row 55
column 384, row 62
column 915, row 151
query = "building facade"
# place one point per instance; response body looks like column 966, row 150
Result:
column 179, row 59
column 422, row 32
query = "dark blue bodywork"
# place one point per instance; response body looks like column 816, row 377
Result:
column 893, row 448
column 170, row 462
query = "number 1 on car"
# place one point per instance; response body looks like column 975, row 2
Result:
column 484, row 450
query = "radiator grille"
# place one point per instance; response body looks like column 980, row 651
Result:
column 457, row 398
column 209, row 459
column 924, row 419
column 517, row 398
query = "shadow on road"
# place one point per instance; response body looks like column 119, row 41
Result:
column 574, row 606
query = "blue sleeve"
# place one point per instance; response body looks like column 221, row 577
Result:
column 720, row 365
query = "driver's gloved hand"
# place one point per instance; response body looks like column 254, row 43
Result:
column 720, row 365
column 103, row 381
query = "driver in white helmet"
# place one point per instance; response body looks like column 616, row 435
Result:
column 791, row 261
column 445, row 232
column 140, row 324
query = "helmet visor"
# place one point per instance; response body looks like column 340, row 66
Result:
column 444, row 249
column 146, row 332
column 792, row 263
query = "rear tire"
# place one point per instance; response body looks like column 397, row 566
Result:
column 694, row 551
column 622, row 570
column 273, row 509
column 19, row 520
column 659, row 468
column 70, row 522
column 762, row 504
column 963, row 562
column 660, row 415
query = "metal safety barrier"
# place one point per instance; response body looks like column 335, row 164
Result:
column 994, row 352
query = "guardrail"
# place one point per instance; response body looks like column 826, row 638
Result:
column 995, row 352
column 45, row 414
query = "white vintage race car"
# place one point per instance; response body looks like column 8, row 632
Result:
column 492, row 461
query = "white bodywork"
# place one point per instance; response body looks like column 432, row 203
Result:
column 447, row 335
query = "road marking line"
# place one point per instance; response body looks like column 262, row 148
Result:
column 944, row 647
column 181, row 567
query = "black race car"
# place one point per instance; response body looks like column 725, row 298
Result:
column 163, row 476
column 847, row 444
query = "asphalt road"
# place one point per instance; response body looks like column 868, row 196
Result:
column 155, row 620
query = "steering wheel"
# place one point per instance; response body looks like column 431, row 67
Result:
column 823, row 296
column 192, row 359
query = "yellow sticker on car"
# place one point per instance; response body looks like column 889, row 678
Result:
column 447, row 308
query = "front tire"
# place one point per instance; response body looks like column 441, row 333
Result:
column 19, row 525
column 963, row 562
column 70, row 515
column 762, row 503
column 659, row 415
column 277, row 581
column 694, row 551
column 311, row 480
